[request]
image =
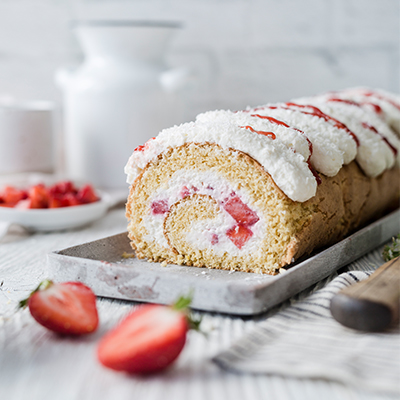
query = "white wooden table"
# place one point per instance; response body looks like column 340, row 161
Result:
column 37, row 364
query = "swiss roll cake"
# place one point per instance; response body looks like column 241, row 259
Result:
column 254, row 190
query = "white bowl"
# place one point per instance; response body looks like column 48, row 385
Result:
column 54, row 219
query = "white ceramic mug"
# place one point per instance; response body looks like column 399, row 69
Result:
column 26, row 137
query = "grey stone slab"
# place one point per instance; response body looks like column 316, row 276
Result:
column 100, row 265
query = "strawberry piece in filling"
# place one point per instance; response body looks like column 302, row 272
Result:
column 214, row 239
column 159, row 207
column 185, row 191
column 239, row 235
column 242, row 214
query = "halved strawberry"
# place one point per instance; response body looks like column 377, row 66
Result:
column 239, row 235
column 148, row 340
column 240, row 212
column 67, row 308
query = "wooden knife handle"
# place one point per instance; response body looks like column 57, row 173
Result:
column 373, row 304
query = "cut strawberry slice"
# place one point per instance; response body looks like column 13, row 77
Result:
column 159, row 207
column 23, row 204
column 39, row 196
column 12, row 195
column 63, row 187
column 73, row 200
column 62, row 194
column 242, row 214
column 67, row 308
column 239, row 235
column 86, row 194
column 57, row 201
column 148, row 340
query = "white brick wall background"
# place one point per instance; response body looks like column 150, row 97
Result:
column 243, row 52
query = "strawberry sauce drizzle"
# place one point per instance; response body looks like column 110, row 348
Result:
column 310, row 146
column 377, row 109
column 315, row 111
column 346, row 101
column 365, row 124
column 270, row 119
column 269, row 134
column 144, row 146
column 373, row 129
column 314, row 172
column 381, row 97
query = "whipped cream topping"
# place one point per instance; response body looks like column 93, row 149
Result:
column 332, row 146
column 287, row 140
column 386, row 105
column 284, row 157
column 379, row 145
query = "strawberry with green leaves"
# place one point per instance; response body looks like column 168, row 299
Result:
column 148, row 340
column 66, row 308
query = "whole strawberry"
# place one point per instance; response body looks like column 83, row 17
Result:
column 66, row 308
column 148, row 340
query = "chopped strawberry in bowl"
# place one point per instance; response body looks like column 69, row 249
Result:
column 62, row 205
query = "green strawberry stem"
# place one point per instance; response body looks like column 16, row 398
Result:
column 393, row 251
column 182, row 305
column 42, row 286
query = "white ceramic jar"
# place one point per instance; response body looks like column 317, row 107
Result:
column 122, row 95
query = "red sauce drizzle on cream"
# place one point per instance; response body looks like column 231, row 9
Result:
column 315, row 111
column 310, row 146
column 276, row 121
column 314, row 172
column 373, row 129
column 346, row 101
column 270, row 119
column 365, row 124
column 377, row 109
column 381, row 97
column 144, row 146
column 269, row 134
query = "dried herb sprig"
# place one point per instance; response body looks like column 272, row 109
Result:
column 393, row 250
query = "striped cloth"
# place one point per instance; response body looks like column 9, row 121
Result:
column 305, row 341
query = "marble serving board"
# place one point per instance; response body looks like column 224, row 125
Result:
column 100, row 264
